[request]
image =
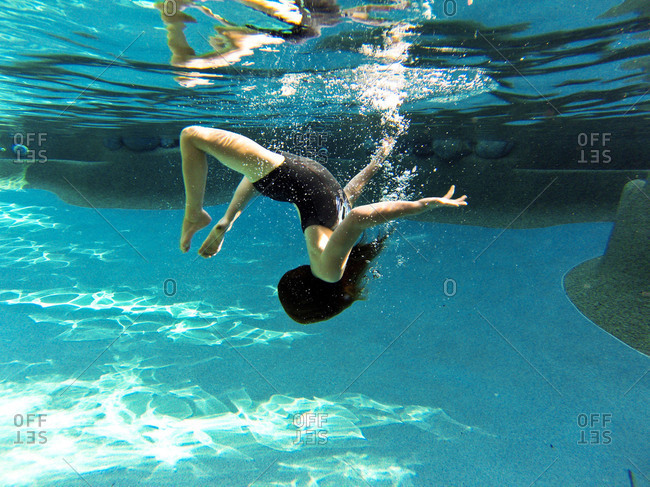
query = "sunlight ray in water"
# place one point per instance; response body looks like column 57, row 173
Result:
column 126, row 418
column 420, row 85
column 374, row 87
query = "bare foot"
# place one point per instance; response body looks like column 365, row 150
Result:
column 212, row 245
column 191, row 225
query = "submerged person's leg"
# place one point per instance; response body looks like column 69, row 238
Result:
column 235, row 151
column 195, row 172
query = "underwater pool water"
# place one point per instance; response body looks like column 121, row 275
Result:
column 146, row 369
column 125, row 362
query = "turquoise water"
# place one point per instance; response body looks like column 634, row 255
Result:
column 86, row 63
column 124, row 362
column 208, row 383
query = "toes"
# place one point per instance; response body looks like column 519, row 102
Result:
column 206, row 253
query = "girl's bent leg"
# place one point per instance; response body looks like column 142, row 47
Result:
column 195, row 172
column 234, row 151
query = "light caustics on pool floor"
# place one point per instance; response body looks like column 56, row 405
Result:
column 120, row 413
column 127, row 419
column 82, row 313
column 105, row 314
column 25, row 241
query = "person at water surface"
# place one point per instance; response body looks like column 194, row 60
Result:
column 331, row 224
column 296, row 21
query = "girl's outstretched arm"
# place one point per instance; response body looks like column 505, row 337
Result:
column 330, row 263
column 243, row 194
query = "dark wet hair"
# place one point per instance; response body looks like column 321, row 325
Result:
column 308, row 299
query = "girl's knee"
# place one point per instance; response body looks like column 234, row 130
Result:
column 190, row 132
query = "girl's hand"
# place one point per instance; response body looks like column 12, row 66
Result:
column 445, row 200
column 383, row 151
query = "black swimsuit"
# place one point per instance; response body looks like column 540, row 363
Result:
column 311, row 187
